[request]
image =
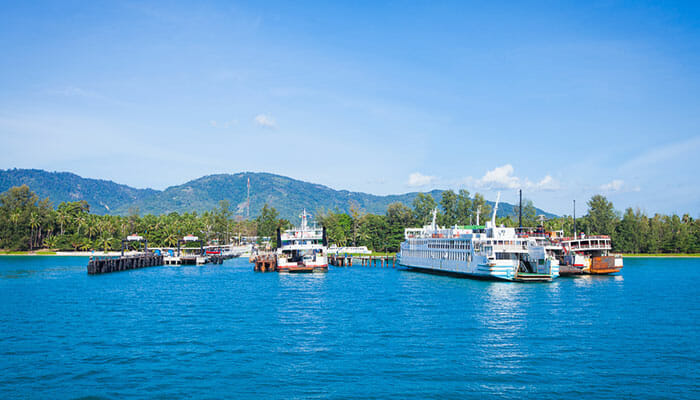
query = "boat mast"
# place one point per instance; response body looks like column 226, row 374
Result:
column 433, row 225
column 495, row 210
column 303, row 220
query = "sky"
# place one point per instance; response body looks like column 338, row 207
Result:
column 563, row 100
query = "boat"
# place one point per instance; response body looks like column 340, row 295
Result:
column 302, row 249
column 477, row 251
column 589, row 255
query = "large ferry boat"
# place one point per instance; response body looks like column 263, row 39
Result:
column 302, row 249
column 589, row 255
column 487, row 252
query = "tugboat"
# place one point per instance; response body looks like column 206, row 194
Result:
column 302, row 249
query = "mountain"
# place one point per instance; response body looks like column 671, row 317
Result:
column 103, row 196
column 285, row 194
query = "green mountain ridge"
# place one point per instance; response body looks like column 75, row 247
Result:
column 289, row 196
column 103, row 196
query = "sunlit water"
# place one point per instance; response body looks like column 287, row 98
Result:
column 225, row 331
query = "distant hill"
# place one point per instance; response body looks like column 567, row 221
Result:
column 103, row 196
column 285, row 194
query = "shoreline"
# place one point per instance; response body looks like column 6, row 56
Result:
column 660, row 255
column 118, row 253
column 64, row 253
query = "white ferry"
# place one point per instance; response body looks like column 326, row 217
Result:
column 302, row 249
column 486, row 252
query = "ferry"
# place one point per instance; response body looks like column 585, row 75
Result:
column 485, row 252
column 589, row 255
column 302, row 249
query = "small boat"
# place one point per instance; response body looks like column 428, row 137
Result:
column 589, row 255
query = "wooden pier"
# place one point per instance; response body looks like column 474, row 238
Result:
column 103, row 265
column 338, row 260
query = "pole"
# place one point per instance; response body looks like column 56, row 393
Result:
column 575, row 234
column 520, row 211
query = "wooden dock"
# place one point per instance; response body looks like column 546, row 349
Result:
column 103, row 265
column 339, row 260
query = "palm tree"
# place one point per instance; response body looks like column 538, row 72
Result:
column 85, row 244
column 79, row 222
column 171, row 239
column 91, row 226
column 62, row 216
column 104, row 242
column 33, row 224
column 51, row 242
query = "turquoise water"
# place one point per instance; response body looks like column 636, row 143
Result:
column 225, row 331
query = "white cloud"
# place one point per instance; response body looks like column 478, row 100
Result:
column 418, row 179
column 618, row 185
column 265, row 121
column 614, row 186
column 547, row 183
column 502, row 177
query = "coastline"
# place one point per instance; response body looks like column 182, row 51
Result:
column 661, row 255
column 63, row 253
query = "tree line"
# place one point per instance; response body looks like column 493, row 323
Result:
column 631, row 232
column 28, row 223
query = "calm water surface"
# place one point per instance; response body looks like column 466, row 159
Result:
column 225, row 331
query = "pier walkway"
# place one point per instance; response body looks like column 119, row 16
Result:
column 341, row 260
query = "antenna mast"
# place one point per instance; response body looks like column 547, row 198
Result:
column 495, row 210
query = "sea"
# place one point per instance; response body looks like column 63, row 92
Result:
column 224, row 331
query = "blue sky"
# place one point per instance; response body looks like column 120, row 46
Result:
column 561, row 99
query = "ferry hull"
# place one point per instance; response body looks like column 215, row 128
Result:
column 301, row 269
column 504, row 271
column 605, row 265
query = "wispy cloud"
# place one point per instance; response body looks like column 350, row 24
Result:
column 417, row 179
column 618, row 185
column 265, row 121
column 225, row 124
column 664, row 153
column 74, row 91
column 503, row 178
column 613, row 186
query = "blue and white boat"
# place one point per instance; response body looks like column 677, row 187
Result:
column 485, row 252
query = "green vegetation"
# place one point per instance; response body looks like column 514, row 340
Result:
column 677, row 255
column 288, row 196
column 28, row 223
